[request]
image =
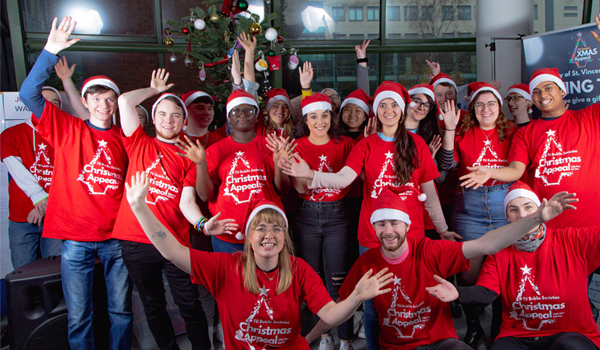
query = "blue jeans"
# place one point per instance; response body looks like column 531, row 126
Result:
column 77, row 268
column 26, row 243
column 370, row 318
column 220, row 246
column 479, row 211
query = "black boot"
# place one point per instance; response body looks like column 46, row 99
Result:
column 475, row 334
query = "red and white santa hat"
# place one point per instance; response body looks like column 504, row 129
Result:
column 521, row 89
column 255, row 206
column 99, row 80
column 422, row 89
column 520, row 189
column 546, row 74
column 162, row 97
column 239, row 97
column 316, row 102
column 393, row 90
column 359, row 98
column 391, row 204
column 275, row 95
column 145, row 111
column 442, row 78
column 56, row 91
column 190, row 96
column 475, row 88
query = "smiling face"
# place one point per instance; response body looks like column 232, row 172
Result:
column 243, row 117
column 444, row 93
column 202, row 113
column 318, row 123
column 279, row 113
column 101, row 106
column 420, row 111
column 391, row 233
column 168, row 120
column 519, row 208
column 548, row 98
column 334, row 98
column 389, row 112
column 353, row 116
column 517, row 104
column 487, row 109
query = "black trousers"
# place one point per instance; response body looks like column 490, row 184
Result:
column 559, row 341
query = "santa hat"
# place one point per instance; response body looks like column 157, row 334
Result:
column 190, row 96
column 165, row 95
column 521, row 89
column 316, row 102
column 99, row 80
column 240, row 97
column 330, row 89
column 442, row 78
column 480, row 86
column 391, row 204
column 546, row 74
column 275, row 95
column 422, row 89
column 393, row 90
column 359, row 98
column 255, row 206
column 145, row 111
column 56, row 91
column 520, row 189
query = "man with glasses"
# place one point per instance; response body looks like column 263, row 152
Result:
column 519, row 103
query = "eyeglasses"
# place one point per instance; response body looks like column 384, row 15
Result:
column 490, row 105
column 426, row 105
column 276, row 230
column 238, row 111
column 513, row 98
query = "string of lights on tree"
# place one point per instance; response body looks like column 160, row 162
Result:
column 212, row 39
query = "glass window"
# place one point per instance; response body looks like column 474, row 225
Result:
column 355, row 13
column 464, row 34
column 557, row 15
column 338, row 13
column 411, row 13
column 427, row 13
column 393, row 13
column 394, row 36
column 373, row 36
column 447, row 13
column 427, row 35
column 448, row 35
column 372, row 13
column 570, row 8
column 411, row 35
column 535, row 12
column 357, row 36
column 570, row 14
column 339, row 36
column 463, row 13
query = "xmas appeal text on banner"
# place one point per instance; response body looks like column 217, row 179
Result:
column 576, row 55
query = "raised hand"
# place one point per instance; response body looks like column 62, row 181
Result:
column 372, row 126
column 594, row 34
column 137, row 191
column 371, row 286
column 62, row 69
column 477, row 177
column 560, row 202
column 192, row 151
column 248, row 41
column 214, row 226
column 451, row 116
column 361, row 50
column 435, row 67
column 497, row 84
column 278, row 144
column 435, row 145
column 159, row 80
column 306, row 75
column 445, row 291
column 236, row 68
column 58, row 39
column 296, row 167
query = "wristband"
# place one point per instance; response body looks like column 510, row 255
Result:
column 198, row 224
column 307, row 89
column 450, row 129
column 202, row 227
column 361, row 60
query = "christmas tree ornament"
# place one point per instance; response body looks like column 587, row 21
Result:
column 173, row 58
column 261, row 64
column 226, row 36
column 192, row 17
column 271, row 53
column 168, row 40
column 188, row 61
column 202, row 73
column 242, row 5
column 279, row 39
column 271, row 34
column 293, row 62
column 199, row 24
column 255, row 29
column 214, row 17
column 260, row 99
column 185, row 30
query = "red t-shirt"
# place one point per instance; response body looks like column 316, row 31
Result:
column 562, row 155
column 264, row 321
column 376, row 157
column 88, row 178
column 241, row 172
column 327, row 158
column 473, row 148
column 168, row 173
column 210, row 138
column 38, row 158
column 546, row 292
column 409, row 316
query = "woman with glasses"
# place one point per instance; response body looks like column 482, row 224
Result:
column 519, row 103
column 422, row 118
column 483, row 138
column 239, row 168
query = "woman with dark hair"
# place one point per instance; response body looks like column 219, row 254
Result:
column 484, row 138
column 355, row 114
column 421, row 119
column 259, row 290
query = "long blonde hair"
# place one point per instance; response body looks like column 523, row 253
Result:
column 288, row 124
column 247, row 263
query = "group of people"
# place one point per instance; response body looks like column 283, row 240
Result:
column 336, row 179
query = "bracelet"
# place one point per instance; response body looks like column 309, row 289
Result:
column 450, row 129
column 202, row 227
column 199, row 225
column 361, row 60
column 307, row 89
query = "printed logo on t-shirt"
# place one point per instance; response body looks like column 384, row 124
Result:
column 556, row 163
column 531, row 307
column 101, row 174
column 161, row 186
column 320, row 194
column 489, row 158
column 385, row 179
column 261, row 327
column 42, row 167
column 403, row 315
column 242, row 181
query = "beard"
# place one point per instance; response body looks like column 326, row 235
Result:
column 400, row 239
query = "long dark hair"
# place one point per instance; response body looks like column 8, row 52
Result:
column 470, row 120
column 405, row 160
column 302, row 130
column 429, row 126
column 345, row 127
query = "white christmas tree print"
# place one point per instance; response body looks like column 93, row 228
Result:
column 97, row 163
column 239, row 157
column 487, row 146
column 327, row 193
column 389, row 162
column 527, row 279
column 324, row 164
column 151, row 175
column 551, row 139
column 263, row 300
column 42, row 153
column 396, row 293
